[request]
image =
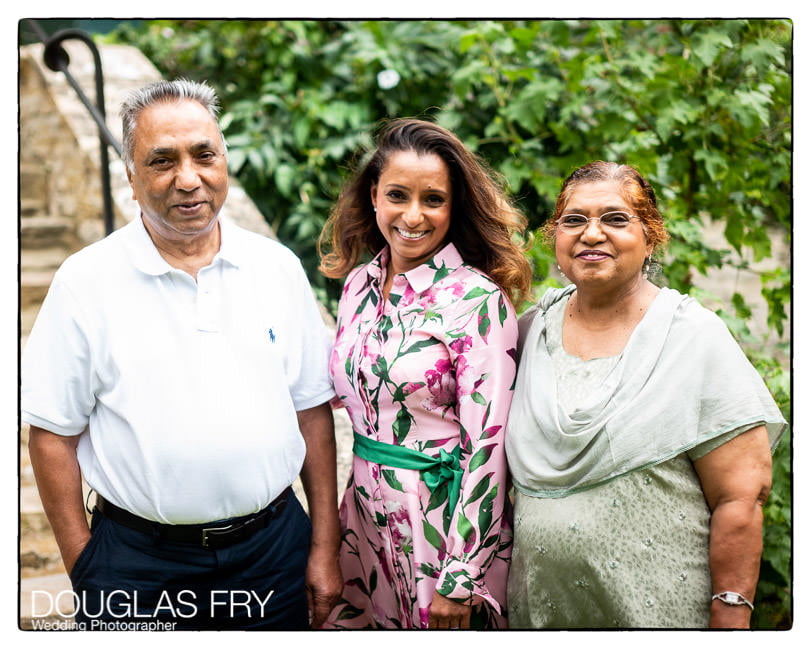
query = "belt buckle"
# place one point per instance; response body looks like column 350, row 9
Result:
column 207, row 530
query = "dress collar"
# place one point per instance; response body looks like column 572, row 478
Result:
column 421, row 278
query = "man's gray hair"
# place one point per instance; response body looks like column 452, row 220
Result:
column 163, row 91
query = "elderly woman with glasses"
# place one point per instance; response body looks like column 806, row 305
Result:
column 639, row 437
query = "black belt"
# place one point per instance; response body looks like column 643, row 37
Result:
column 214, row 536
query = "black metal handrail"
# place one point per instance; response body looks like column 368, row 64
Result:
column 57, row 59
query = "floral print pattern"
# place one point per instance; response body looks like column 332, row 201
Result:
column 430, row 368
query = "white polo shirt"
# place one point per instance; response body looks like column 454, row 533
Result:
column 188, row 391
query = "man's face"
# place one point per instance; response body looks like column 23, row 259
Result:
column 180, row 176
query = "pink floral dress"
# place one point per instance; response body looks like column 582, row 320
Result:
column 431, row 368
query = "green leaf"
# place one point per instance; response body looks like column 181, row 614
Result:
column 431, row 535
column 390, row 476
column 502, row 310
column 438, row 497
column 402, row 424
column 710, row 44
column 420, row 344
column 467, row 41
column 762, row 53
column 486, row 510
column 285, row 175
column 751, row 107
column 484, row 321
column 301, row 132
column 348, row 612
column 236, row 160
column 479, row 490
column 475, row 292
column 464, row 527
column 480, row 457
column 399, row 392
column 714, row 162
column 734, row 230
column 742, row 310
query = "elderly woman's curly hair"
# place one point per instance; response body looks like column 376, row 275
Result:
column 486, row 228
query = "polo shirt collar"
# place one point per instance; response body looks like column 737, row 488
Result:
column 144, row 254
column 147, row 259
column 231, row 252
column 425, row 275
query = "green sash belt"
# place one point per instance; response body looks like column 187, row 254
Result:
column 435, row 470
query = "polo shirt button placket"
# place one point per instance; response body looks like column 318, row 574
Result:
column 206, row 307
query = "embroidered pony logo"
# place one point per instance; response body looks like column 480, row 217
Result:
column 271, row 335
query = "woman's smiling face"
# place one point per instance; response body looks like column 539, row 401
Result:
column 598, row 254
column 412, row 200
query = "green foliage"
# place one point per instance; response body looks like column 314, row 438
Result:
column 701, row 107
column 774, row 588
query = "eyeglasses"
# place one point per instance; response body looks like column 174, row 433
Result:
column 576, row 223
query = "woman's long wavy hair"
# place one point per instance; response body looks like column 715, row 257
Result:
column 487, row 229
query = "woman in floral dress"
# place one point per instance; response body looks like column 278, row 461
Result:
column 424, row 361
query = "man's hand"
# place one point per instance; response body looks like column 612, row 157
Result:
column 70, row 554
column 319, row 479
column 324, row 585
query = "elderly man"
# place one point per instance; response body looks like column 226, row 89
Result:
column 180, row 366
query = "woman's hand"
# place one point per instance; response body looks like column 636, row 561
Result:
column 447, row 614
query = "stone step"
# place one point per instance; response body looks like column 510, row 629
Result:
column 32, row 206
column 34, row 285
column 33, row 180
column 39, row 231
column 29, row 497
column 39, row 553
column 41, row 598
column 33, row 189
column 47, row 258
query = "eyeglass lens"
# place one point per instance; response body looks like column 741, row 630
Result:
column 609, row 219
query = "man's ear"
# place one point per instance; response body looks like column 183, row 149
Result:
column 129, row 180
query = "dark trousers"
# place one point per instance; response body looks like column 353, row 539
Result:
column 127, row 580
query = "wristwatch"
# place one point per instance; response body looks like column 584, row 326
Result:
column 733, row 599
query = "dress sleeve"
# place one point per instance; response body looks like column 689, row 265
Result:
column 483, row 350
